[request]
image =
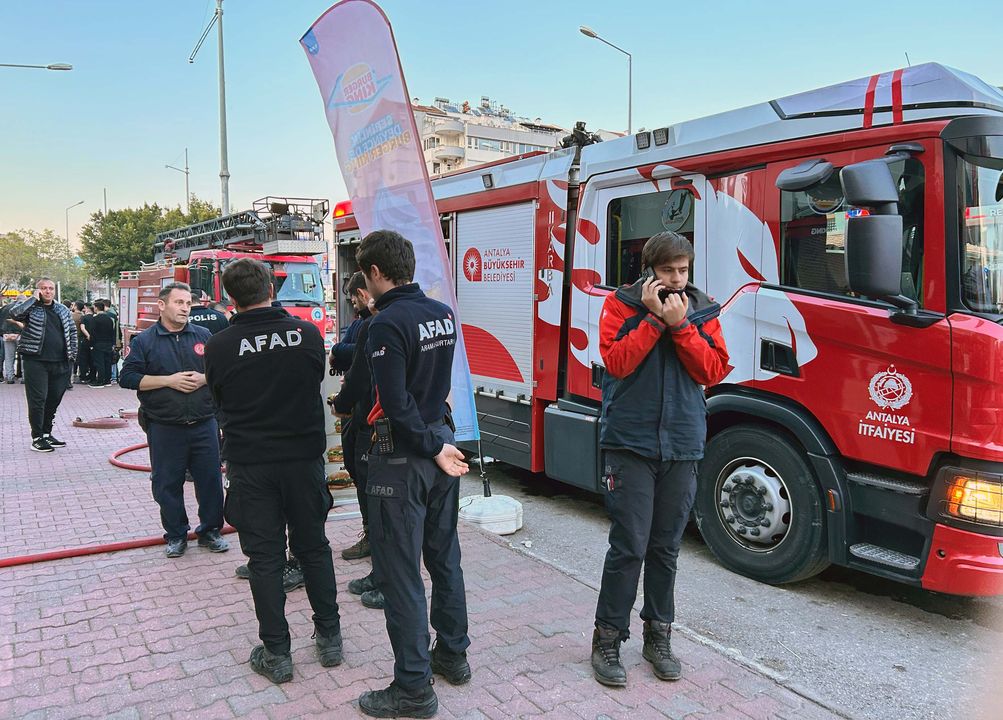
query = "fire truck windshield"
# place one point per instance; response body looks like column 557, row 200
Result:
column 297, row 283
column 982, row 234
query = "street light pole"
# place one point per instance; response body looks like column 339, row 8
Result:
column 69, row 253
column 53, row 66
column 188, row 195
column 589, row 32
column 224, row 172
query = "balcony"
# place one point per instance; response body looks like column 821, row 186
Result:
column 449, row 128
column 449, row 152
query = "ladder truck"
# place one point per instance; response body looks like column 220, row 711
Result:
column 285, row 233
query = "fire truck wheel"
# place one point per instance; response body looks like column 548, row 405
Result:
column 758, row 506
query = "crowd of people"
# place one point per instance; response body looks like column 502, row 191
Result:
column 245, row 391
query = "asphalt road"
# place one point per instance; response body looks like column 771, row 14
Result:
column 860, row 645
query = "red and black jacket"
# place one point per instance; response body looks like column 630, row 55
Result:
column 653, row 388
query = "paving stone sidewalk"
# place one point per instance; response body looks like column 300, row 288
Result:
column 133, row 635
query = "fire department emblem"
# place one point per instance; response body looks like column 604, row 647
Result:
column 890, row 389
column 472, row 265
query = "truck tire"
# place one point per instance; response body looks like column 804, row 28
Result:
column 759, row 508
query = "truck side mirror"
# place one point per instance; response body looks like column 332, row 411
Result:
column 874, row 235
column 804, row 175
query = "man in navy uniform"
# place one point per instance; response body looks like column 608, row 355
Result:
column 265, row 372
column 413, row 483
column 165, row 365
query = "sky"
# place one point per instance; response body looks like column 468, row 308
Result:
column 133, row 103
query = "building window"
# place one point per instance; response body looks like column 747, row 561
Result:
column 435, row 168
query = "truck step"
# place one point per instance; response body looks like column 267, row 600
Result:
column 906, row 487
column 884, row 556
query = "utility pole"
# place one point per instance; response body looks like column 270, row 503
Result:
column 224, row 171
column 188, row 195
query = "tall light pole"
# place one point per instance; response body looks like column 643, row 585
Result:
column 589, row 32
column 54, row 66
column 188, row 196
column 69, row 253
column 224, row 172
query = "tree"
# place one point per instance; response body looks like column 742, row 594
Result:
column 122, row 239
column 26, row 255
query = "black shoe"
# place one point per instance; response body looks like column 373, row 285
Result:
column 176, row 548
column 606, row 665
column 277, row 668
column 362, row 585
column 41, row 445
column 213, row 541
column 658, row 650
column 292, row 578
column 242, row 572
column 452, row 666
column 373, row 599
column 358, row 550
column 393, row 702
column 329, row 649
column 54, row 441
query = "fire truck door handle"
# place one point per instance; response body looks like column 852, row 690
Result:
column 779, row 358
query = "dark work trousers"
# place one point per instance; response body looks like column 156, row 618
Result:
column 412, row 512
column 261, row 500
column 84, row 360
column 195, row 448
column 649, row 507
column 101, row 356
column 45, row 381
column 355, row 444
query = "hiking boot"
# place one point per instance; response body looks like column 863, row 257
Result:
column 242, row 572
column 452, row 666
column 329, row 649
column 54, row 441
column 213, row 541
column 292, row 578
column 176, row 548
column 362, row 585
column 373, row 599
column 395, row 702
column 606, row 665
column 41, row 445
column 658, row 650
column 277, row 668
column 360, row 549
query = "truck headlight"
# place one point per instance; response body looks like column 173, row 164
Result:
column 974, row 496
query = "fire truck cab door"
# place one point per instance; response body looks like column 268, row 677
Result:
column 881, row 390
column 616, row 222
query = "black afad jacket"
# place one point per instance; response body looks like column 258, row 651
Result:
column 265, row 372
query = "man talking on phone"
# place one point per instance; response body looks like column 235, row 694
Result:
column 661, row 343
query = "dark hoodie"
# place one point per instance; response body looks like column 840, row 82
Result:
column 653, row 395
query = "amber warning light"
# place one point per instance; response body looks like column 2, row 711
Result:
column 342, row 209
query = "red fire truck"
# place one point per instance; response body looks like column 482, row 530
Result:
column 853, row 235
column 285, row 233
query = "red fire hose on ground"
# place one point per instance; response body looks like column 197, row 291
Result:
column 107, row 423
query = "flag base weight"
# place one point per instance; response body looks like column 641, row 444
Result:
column 499, row 514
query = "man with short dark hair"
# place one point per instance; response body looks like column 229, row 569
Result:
column 102, row 332
column 48, row 347
column 265, row 373
column 86, row 361
column 208, row 317
column 661, row 343
column 165, row 365
column 352, row 404
column 413, row 482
